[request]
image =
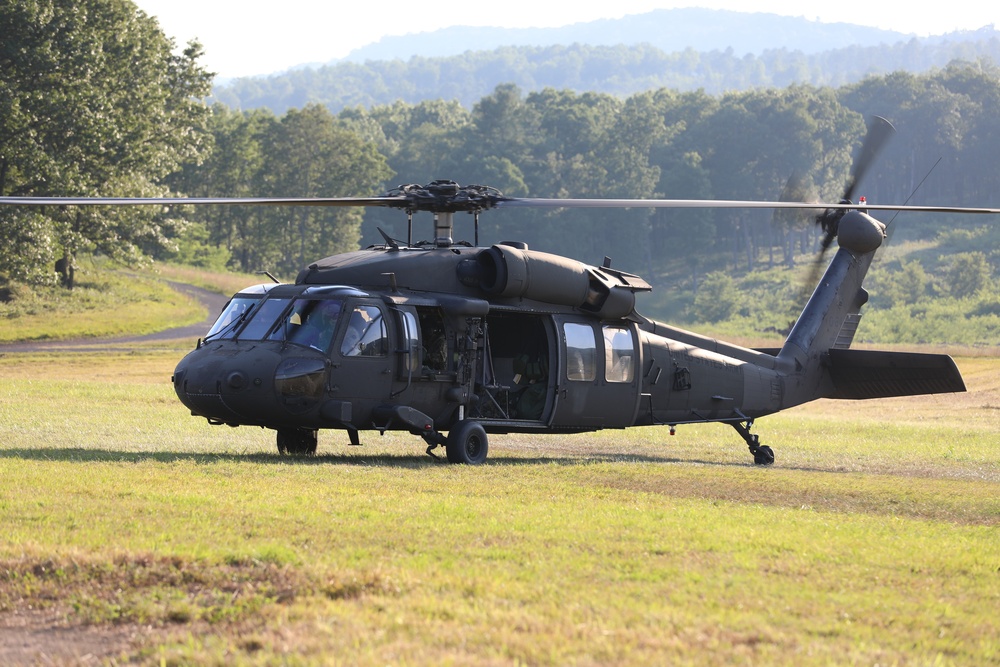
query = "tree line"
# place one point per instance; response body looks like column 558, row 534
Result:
column 798, row 142
column 95, row 101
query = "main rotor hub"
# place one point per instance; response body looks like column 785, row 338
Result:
column 445, row 197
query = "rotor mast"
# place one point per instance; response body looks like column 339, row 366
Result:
column 443, row 228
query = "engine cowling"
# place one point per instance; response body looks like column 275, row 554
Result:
column 507, row 271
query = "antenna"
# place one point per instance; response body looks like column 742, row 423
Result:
column 268, row 274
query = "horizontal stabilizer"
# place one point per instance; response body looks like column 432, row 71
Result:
column 859, row 374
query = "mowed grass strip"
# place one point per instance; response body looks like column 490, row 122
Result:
column 619, row 547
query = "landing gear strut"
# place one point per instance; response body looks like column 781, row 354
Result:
column 762, row 454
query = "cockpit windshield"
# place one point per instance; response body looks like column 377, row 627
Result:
column 263, row 319
column 310, row 322
column 235, row 312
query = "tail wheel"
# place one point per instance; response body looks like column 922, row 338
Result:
column 297, row 441
column 764, row 456
column 467, row 443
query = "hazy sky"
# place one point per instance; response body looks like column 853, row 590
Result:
column 245, row 37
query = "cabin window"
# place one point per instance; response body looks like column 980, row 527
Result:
column 581, row 352
column 232, row 315
column 618, row 354
column 366, row 334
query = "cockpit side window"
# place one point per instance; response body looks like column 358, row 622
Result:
column 366, row 334
column 411, row 342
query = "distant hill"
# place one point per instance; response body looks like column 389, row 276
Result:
column 665, row 29
column 683, row 49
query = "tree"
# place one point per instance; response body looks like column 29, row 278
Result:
column 93, row 101
column 968, row 275
column 235, row 168
column 717, row 297
column 684, row 232
column 754, row 141
column 308, row 154
column 907, row 286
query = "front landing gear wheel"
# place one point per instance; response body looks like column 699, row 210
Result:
column 297, row 441
column 467, row 443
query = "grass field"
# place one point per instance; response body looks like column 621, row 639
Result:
column 105, row 303
column 134, row 532
column 109, row 301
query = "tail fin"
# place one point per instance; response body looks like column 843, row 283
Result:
column 838, row 297
column 815, row 358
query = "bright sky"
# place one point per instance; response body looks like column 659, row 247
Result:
column 247, row 37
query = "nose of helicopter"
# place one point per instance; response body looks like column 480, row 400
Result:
column 228, row 382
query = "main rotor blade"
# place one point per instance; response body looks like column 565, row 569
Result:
column 201, row 201
column 512, row 202
column 504, row 202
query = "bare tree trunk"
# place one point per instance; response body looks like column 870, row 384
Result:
column 748, row 242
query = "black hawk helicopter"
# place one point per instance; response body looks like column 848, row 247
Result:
column 452, row 341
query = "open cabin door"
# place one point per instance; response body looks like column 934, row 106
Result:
column 514, row 384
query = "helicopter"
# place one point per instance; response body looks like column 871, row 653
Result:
column 453, row 341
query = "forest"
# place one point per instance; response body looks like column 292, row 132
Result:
column 621, row 70
column 795, row 142
column 660, row 143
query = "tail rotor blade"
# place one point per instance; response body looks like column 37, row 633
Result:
column 879, row 132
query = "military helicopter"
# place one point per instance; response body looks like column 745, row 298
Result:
column 451, row 341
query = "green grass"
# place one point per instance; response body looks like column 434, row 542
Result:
column 108, row 301
column 227, row 283
column 875, row 538
column 105, row 302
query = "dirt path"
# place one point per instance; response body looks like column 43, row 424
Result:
column 34, row 637
column 213, row 301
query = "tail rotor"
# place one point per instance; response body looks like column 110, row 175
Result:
column 879, row 132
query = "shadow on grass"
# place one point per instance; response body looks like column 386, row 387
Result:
column 81, row 455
